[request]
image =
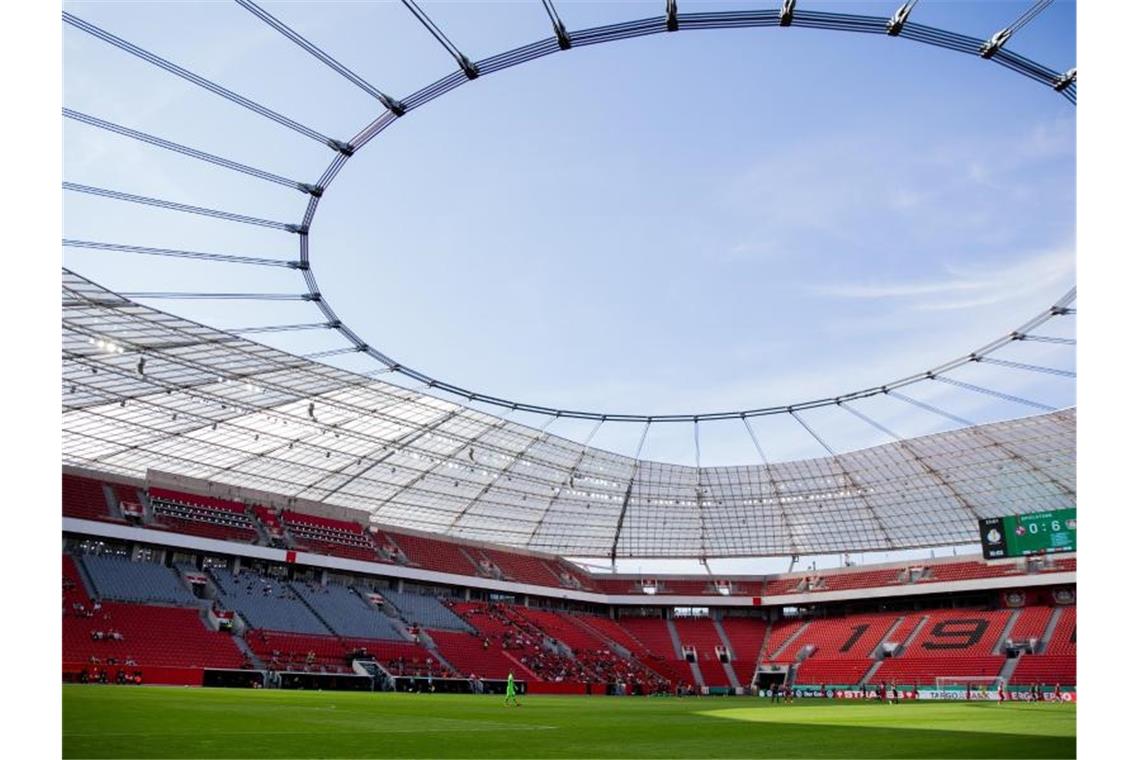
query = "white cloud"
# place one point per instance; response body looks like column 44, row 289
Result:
column 968, row 286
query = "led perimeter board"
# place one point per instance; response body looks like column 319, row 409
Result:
column 1036, row 533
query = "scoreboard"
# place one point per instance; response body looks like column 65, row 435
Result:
column 1036, row 533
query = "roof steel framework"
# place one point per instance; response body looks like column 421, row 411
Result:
column 672, row 20
column 144, row 389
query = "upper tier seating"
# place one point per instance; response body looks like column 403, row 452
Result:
column 833, row 581
column 126, row 493
column 151, row 636
column 571, row 575
column 426, row 611
column 345, row 612
column 84, row 498
column 522, row 568
column 265, row 602
column 119, row 578
column 323, row 535
column 201, row 516
column 431, row 554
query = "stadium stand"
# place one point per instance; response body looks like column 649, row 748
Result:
column 609, row 630
column 848, row 637
column 201, row 516
column 959, row 633
column 1058, row 662
column 745, row 637
column 778, row 638
column 656, row 651
column 84, row 498
column 912, row 670
column 1064, row 638
column 426, row 611
column 842, row 647
column 119, row 578
column 523, row 568
column 431, row 554
column 472, row 653
column 1030, row 623
column 265, row 603
column 146, row 635
column 1045, row 668
column 324, row 535
column 344, row 612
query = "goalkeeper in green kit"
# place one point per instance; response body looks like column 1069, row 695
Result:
column 511, row 696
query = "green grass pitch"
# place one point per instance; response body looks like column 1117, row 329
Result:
column 108, row 721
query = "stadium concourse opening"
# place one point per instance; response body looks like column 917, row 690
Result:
column 348, row 556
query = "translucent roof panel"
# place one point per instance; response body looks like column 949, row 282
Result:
column 142, row 390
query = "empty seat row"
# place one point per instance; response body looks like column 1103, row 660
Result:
column 119, row 578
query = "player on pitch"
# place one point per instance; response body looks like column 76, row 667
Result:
column 511, row 695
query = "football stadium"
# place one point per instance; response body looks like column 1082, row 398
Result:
column 347, row 470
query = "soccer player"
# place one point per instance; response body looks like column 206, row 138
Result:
column 1057, row 693
column 1001, row 692
column 511, row 696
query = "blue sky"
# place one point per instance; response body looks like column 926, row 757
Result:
column 688, row 222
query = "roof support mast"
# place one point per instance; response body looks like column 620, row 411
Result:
column 628, row 494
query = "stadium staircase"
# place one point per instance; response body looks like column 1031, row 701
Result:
column 729, row 670
column 1004, row 636
column 1051, row 627
column 870, row 674
column 678, row 652
column 783, row 646
column 243, row 645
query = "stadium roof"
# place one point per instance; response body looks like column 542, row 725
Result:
column 143, row 389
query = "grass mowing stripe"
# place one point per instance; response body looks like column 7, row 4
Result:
column 142, row 722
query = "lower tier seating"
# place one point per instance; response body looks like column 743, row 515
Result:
column 821, row 672
column 914, row 670
column 125, row 635
column 1045, row 668
column 471, row 653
